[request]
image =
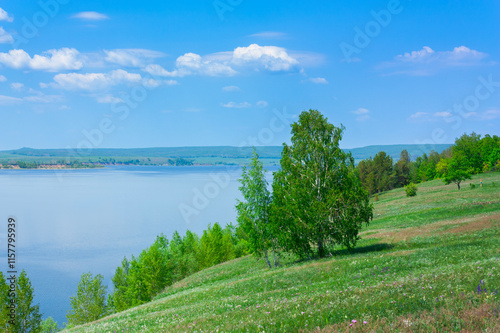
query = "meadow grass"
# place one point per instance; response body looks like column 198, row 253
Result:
column 428, row 263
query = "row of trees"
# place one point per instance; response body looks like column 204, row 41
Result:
column 470, row 155
column 139, row 279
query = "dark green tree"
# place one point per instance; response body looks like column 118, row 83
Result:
column 402, row 169
column 317, row 193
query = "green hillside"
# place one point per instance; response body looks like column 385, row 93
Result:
column 270, row 155
column 426, row 263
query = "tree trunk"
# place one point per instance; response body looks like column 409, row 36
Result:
column 458, row 184
column 321, row 249
column 267, row 259
column 276, row 258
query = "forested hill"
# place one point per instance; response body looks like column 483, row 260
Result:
column 210, row 155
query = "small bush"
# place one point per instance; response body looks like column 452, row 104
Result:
column 411, row 190
column 472, row 186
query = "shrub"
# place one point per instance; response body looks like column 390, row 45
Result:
column 472, row 186
column 411, row 190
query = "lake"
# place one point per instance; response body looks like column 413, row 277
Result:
column 86, row 220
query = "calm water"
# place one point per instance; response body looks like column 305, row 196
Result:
column 77, row 221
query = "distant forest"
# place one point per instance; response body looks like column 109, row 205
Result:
column 29, row 158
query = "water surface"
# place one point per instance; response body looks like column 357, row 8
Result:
column 76, row 221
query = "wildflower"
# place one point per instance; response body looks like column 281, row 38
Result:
column 354, row 321
column 364, row 322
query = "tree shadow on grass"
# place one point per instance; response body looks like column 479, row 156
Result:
column 363, row 249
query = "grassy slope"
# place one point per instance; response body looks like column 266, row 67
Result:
column 417, row 267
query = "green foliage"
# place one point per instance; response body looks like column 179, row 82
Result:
column 28, row 315
column 140, row 279
column 411, row 190
column 318, row 197
column 469, row 155
column 4, row 302
column 468, row 147
column 216, row 246
column 386, row 279
column 89, row 303
column 254, row 211
column 455, row 169
column 402, row 169
column 49, row 325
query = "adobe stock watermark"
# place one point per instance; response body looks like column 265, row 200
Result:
column 30, row 28
column 460, row 111
column 202, row 196
column 363, row 36
column 223, row 6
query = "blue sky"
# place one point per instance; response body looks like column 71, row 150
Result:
column 95, row 74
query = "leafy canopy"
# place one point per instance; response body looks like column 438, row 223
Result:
column 318, row 196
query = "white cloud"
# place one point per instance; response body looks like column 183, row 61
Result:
column 442, row 114
column 231, row 88
column 194, row 64
column 5, row 37
column 9, row 100
column 43, row 98
column 4, row 16
column 91, row 16
column 51, row 61
column 262, row 104
column 491, row 114
column 3, row 78
column 170, row 82
column 131, row 57
column 254, row 57
column 157, row 70
column 94, row 81
column 108, row 98
column 436, row 116
column 99, row 81
column 362, row 114
column 237, row 105
column 269, row 34
column 459, row 56
column 17, row 85
column 427, row 61
column 272, row 58
column 318, row 80
column 361, row 111
column 418, row 115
